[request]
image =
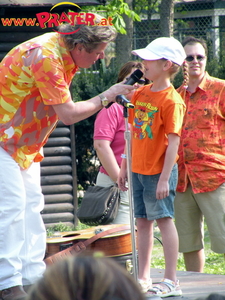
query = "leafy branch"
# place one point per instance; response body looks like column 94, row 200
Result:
column 115, row 9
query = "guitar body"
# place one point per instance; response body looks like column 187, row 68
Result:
column 115, row 244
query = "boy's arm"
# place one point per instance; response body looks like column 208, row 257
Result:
column 122, row 178
column 162, row 190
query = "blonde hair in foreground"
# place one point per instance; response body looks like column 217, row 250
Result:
column 85, row 277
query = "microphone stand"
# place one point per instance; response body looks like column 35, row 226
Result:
column 127, row 136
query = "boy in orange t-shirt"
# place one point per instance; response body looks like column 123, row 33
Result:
column 156, row 122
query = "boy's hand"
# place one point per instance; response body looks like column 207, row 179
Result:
column 162, row 190
column 122, row 180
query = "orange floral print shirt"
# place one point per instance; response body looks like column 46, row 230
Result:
column 202, row 145
column 34, row 76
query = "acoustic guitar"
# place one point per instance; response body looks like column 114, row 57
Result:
column 112, row 240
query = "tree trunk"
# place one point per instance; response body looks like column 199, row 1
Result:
column 124, row 42
column 166, row 18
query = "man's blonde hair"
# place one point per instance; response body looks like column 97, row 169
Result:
column 90, row 36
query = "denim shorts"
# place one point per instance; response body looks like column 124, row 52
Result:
column 144, row 193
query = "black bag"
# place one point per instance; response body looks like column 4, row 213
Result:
column 99, row 205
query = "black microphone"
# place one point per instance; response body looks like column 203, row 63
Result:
column 122, row 100
column 134, row 77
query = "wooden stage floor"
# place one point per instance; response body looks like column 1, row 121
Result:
column 194, row 285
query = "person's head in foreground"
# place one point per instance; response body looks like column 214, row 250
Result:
column 86, row 277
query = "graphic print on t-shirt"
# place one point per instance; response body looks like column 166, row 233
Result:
column 143, row 120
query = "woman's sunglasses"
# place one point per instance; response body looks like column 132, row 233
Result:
column 191, row 57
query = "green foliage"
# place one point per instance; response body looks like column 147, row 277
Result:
column 177, row 81
column 214, row 263
column 87, row 84
column 81, row 226
column 115, row 9
column 60, row 227
column 146, row 6
column 216, row 67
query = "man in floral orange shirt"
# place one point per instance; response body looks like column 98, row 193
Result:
column 201, row 182
column 34, row 94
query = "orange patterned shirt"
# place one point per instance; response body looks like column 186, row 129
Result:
column 202, row 146
column 33, row 76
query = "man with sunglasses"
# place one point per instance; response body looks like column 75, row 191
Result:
column 201, row 183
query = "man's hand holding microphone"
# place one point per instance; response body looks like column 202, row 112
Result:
column 116, row 93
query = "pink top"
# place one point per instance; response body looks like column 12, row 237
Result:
column 110, row 125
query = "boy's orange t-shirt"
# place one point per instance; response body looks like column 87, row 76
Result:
column 155, row 115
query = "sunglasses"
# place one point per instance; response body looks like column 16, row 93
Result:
column 191, row 57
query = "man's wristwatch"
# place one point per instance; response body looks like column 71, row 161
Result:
column 104, row 100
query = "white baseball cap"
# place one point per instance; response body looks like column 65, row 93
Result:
column 163, row 47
